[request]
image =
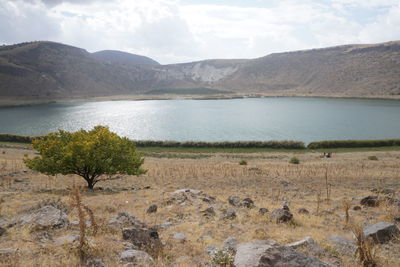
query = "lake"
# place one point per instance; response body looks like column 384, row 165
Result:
column 277, row 118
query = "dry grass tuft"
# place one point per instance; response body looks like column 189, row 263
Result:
column 365, row 252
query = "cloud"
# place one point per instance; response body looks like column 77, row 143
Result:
column 175, row 31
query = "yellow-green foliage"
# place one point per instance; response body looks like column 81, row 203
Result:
column 89, row 154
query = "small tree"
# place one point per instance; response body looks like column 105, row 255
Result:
column 89, row 154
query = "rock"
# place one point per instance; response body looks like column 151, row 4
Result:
column 282, row 215
column 209, row 212
column 124, row 219
column 179, row 237
column 370, row 201
column 44, row 218
column 136, row 258
column 66, row 239
column 396, row 218
column 304, row 242
column 7, row 251
column 211, row 250
column 95, row 263
column 234, row 201
column 2, row 231
column 356, row 208
column 343, row 245
column 264, row 253
column 208, row 199
column 228, row 214
column 381, row 232
column 191, row 191
column 303, row 211
column 248, row 203
column 152, row 209
column 144, row 239
column 230, row 245
column 263, row 211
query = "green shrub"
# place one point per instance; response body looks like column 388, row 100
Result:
column 223, row 258
column 242, row 162
column 294, row 160
column 372, row 157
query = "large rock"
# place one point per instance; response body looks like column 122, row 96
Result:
column 248, row 203
column 136, row 258
column 264, row 253
column 282, row 215
column 381, row 232
column 143, row 239
column 230, row 244
column 44, row 218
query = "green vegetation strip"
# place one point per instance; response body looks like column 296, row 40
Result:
column 240, row 146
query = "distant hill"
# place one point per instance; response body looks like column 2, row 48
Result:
column 124, row 58
column 51, row 70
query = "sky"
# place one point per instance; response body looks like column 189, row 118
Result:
column 174, row 31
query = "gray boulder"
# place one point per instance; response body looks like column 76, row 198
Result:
column 234, row 201
column 136, row 258
column 248, row 203
column 66, row 239
column 282, row 215
column 303, row 211
column 2, row 231
column 264, row 253
column 263, row 211
column 190, row 191
column 95, row 263
column 44, row 218
column 179, row 237
column 144, row 239
column 381, row 232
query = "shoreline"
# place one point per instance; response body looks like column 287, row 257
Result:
column 16, row 102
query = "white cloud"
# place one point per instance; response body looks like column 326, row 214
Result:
column 174, row 31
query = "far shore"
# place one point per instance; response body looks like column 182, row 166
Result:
column 12, row 102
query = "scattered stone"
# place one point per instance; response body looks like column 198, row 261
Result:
column 44, row 237
column 66, row 239
column 234, row 201
column 191, row 191
column 229, row 214
column 326, row 212
column 248, row 203
column 356, row 208
column 18, row 181
column 263, row 211
column 303, row 211
column 95, row 263
column 264, row 253
column 124, row 219
column 143, row 239
column 7, row 252
column 396, row 218
column 370, row 201
column 136, row 258
column 152, row 209
column 385, row 191
column 343, row 245
column 209, row 212
column 305, row 241
column 230, row 244
column 179, row 237
column 208, row 199
column 381, row 232
column 282, row 215
column 44, row 218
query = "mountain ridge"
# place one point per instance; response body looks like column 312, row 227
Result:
column 49, row 70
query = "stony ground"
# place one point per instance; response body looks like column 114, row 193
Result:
column 193, row 225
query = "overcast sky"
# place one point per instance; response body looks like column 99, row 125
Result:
column 172, row 31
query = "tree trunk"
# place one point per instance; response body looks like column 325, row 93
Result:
column 90, row 182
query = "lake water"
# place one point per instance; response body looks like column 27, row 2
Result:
column 305, row 119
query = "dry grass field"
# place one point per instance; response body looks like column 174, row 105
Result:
column 320, row 185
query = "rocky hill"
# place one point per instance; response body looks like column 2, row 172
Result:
column 52, row 70
column 124, row 58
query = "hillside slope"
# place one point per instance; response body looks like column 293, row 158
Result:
column 52, row 70
column 123, row 58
